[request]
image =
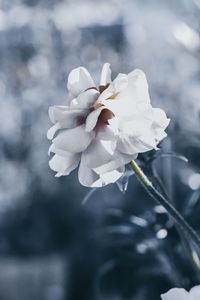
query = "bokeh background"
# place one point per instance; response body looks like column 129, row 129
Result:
column 56, row 241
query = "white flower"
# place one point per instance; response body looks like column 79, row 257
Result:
column 103, row 128
column 181, row 294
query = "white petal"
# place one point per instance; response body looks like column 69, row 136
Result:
column 68, row 118
column 92, row 119
column 136, row 127
column 87, row 176
column 112, row 165
column 160, row 118
column 108, row 133
column 137, row 81
column 159, row 124
column 112, row 176
column 64, row 165
column 133, row 145
column 55, row 112
column 79, row 80
column 175, row 294
column 132, row 97
column 73, row 140
column 116, row 86
column 105, row 75
column 195, row 293
column 85, row 100
column 160, row 134
column 73, row 118
column 118, row 161
column 53, row 149
column 52, row 131
column 125, row 145
column 98, row 153
column 147, row 140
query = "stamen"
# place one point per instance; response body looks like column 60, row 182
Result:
column 113, row 97
column 96, row 106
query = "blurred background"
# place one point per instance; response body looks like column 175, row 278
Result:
column 118, row 244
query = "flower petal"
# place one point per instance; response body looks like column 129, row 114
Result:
column 136, row 127
column 175, row 294
column 90, row 178
column 117, row 161
column 53, row 149
column 99, row 153
column 160, row 118
column 55, row 112
column 132, row 97
column 115, row 87
column 134, row 145
column 67, row 118
column 64, row 165
column 87, row 176
column 137, row 84
column 112, row 176
column 73, row 140
column 195, row 293
column 85, row 100
column 109, row 132
column 79, row 80
column 112, row 165
column 92, row 119
column 52, row 131
column 105, row 75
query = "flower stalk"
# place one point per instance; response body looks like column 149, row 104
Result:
column 154, row 193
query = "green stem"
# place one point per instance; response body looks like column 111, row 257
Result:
column 152, row 191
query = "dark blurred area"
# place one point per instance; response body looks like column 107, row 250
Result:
column 119, row 244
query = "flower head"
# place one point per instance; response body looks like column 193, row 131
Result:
column 181, row 294
column 103, row 128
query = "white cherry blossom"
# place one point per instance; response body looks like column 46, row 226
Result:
column 103, row 128
column 182, row 294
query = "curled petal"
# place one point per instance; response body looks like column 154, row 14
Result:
column 92, row 119
column 52, row 131
column 73, row 140
column 55, row 112
column 53, row 149
column 79, row 80
column 64, row 165
column 85, row 100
